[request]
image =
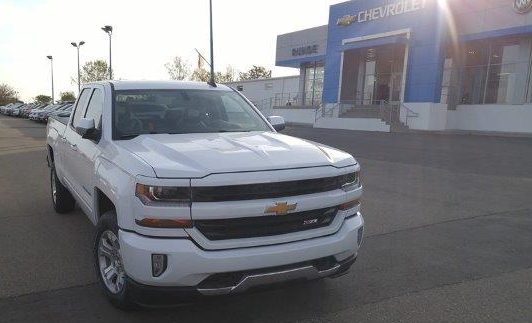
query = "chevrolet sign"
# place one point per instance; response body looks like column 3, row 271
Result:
column 522, row 6
column 281, row 208
column 393, row 9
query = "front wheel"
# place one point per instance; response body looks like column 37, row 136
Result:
column 108, row 263
column 61, row 198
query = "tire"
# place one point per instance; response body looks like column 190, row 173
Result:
column 62, row 200
column 108, row 250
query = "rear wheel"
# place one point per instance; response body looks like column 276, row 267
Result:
column 61, row 198
column 108, row 263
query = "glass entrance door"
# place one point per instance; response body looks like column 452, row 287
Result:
column 373, row 75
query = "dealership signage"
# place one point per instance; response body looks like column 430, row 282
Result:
column 305, row 50
column 522, row 6
column 389, row 10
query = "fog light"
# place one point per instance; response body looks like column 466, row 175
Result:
column 158, row 264
column 360, row 235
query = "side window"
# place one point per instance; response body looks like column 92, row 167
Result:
column 80, row 106
column 94, row 110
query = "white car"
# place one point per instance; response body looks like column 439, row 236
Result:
column 195, row 193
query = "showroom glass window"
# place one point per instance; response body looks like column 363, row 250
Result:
column 313, row 84
column 495, row 71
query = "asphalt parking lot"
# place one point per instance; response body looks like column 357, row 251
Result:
column 448, row 238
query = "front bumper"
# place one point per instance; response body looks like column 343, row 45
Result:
column 190, row 268
column 167, row 296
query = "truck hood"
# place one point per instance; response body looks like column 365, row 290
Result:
column 199, row 155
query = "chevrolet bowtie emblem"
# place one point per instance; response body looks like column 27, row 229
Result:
column 281, row 208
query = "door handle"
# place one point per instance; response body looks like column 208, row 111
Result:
column 74, row 147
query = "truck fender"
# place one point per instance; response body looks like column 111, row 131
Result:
column 117, row 185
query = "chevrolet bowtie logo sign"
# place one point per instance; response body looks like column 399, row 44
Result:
column 522, row 6
column 281, row 208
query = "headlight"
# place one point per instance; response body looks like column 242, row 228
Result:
column 350, row 181
column 150, row 195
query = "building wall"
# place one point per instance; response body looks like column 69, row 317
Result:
column 425, row 54
column 296, row 116
column 293, row 48
column 430, row 116
column 491, row 117
column 474, row 18
column 363, row 124
column 265, row 89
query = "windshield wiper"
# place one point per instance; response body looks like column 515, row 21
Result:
column 129, row 136
column 134, row 135
column 224, row 131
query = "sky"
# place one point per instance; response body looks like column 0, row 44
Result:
column 147, row 34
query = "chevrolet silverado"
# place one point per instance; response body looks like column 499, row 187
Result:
column 193, row 192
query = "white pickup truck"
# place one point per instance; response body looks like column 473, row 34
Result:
column 194, row 193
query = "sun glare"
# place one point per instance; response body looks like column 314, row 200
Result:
column 449, row 19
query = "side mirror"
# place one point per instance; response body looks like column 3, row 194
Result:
column 277, row 123
column 87, row 130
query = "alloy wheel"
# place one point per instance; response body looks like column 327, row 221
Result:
column 110, row 262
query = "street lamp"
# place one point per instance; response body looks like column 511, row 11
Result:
column 78, row 45
column 109, row 30
column 52, row 67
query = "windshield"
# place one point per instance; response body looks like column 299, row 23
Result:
column 183, row 111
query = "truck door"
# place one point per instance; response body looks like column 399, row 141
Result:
column 71, row 151
column 88, row 149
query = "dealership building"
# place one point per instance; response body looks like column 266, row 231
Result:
column 420, row 64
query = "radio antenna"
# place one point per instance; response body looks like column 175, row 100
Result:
column 212, row 81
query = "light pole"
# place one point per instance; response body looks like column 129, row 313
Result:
column 52, row 68
column 109, row 30
column 78, row 45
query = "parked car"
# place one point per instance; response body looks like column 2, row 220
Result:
column 194, row 192
column 9, row 110
column 27, row 110
column 43, row 117
column 35, row 114
column 4, row 108
column 63, row 112
column 24, row 109
column 16, row 112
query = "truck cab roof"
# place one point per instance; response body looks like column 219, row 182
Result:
column 162, row 85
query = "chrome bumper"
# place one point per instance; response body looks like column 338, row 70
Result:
column 308, row 272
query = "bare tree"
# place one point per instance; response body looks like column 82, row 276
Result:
column 7, row 94
column 178, row 69
column 200, row 75
column 226, row 77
